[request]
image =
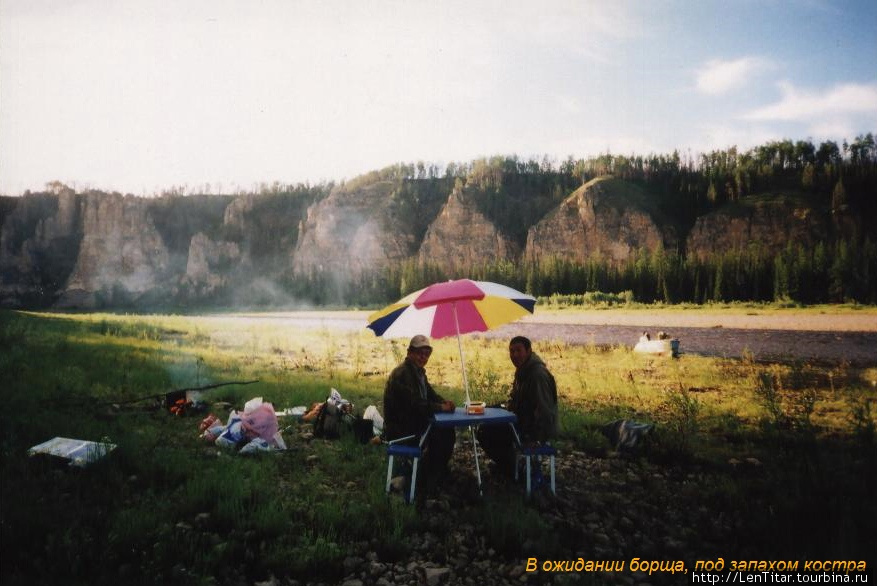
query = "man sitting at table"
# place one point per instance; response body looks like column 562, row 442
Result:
column 410, row 401
column 533, row 399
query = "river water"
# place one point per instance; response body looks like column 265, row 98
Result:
column 858, row 348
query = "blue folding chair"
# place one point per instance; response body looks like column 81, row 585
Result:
column 396, row 449
column 528, row 453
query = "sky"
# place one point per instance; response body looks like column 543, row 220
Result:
column 142, row 96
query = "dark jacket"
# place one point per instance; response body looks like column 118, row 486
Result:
column 408, row 406
column 534, row 400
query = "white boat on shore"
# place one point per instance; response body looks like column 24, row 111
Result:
column 664, row 347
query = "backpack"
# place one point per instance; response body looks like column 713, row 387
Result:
column 328, row 422
column 363, row 429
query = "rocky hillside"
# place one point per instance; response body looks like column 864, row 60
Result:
column 91, row 250
column 122, row 256
column 39, row 246
column 607, row 218
column 461, row 237
column 766, row 222
column 352, row 231
column 98, row 249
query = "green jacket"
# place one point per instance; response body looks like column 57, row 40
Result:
column 409, row 401
column 534, row 400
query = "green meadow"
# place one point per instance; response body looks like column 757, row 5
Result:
column 165, row 507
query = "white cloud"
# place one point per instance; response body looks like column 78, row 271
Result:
column 596, row 144
column 590, row 30
column 834, row 129
column 803, row 106
column 719, row 136
column 718, row 77
column 569, row 104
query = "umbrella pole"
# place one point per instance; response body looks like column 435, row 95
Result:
column 462, row 360
column 466, row 386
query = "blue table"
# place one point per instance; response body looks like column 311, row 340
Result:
column 459, row 418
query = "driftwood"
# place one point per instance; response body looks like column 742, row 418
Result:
column 208, row 387
column 177, row 392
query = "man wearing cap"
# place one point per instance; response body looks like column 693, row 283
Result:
column 410, row 401
column 533, row 399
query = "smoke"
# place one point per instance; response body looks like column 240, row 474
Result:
column 192, row 372
column 265, row 293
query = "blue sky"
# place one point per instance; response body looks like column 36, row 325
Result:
column 138, row 96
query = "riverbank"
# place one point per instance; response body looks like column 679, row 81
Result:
column 823, row 319
column 843, row 318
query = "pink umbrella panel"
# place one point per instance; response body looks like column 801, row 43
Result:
column 452, row 308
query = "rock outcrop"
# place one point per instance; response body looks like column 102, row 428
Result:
column 607, row 218
column 765, row 222
column 122, row 257
column 209, row 265
column 39, row 243
column 95, row 249
column 461, row 236
column 352, row 231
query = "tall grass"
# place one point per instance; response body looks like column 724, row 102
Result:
column 167, row 508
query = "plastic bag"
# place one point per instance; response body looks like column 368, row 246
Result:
column 260, row 422
column 371, row 412
column 233, row 434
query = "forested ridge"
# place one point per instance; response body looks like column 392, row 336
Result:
column 837, row 183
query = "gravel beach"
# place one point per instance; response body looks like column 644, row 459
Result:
column 830, row 337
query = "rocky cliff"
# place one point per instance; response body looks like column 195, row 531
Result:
column 209, row 266
column 607, row 218
column 767, row 222
column 92, row 250
column 462, row 237
column 121, row 256
column 100, row 249
column 39, row 245
column 351, row 231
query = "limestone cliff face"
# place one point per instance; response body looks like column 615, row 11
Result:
column 461, row 236
column 122, row 257
column 39, row 242
column 209, row 264
column 95, row 249
column 237, row 210
column 766, row 222
column 605, row 217
column 351, row 231
column 100, row 249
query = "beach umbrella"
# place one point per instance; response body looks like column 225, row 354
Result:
column 452, row 308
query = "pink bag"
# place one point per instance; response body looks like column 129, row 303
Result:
column 260, row 422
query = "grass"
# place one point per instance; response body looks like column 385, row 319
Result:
column 167, row 507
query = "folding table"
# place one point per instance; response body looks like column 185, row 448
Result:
column 459, row 418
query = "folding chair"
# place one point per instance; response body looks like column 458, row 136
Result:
column 395, row 448
column 528, row 453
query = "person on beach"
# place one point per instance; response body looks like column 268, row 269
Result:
column 533, row 399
